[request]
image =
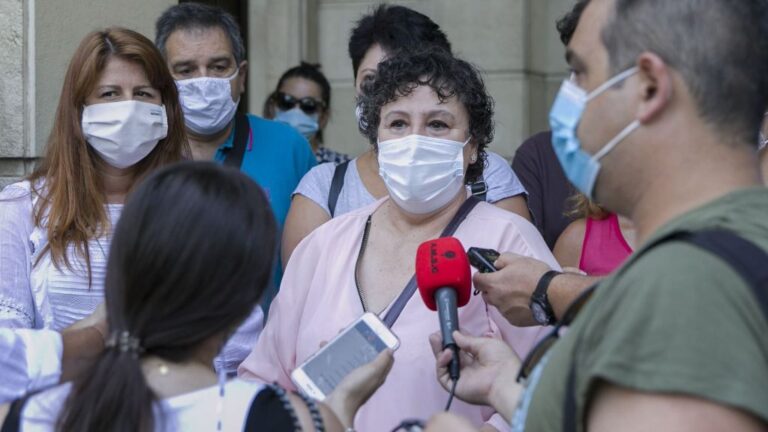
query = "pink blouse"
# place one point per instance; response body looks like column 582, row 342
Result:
column 318, row 297
column 604, row 248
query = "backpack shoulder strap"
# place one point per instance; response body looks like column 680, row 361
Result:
column 746, row 258
column 234, row 156
column 336, row 184
column 271, row 410
column 12, row 422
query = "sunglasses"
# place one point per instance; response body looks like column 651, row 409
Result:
column 286, row 102
column 542, row 348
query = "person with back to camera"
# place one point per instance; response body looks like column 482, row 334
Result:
column 302, row 100
column 169, row 315
column 676, row 338
column 118, row 119
column 318, row 198
column 428, row 115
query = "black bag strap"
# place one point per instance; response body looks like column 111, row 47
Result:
column 747, row 259
column 12, row 422
column 397, row 307
column 234, row 156
column 479, row 189
column 270, row 410
column 336, row 184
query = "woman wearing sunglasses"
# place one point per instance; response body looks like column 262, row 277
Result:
column 303, row 100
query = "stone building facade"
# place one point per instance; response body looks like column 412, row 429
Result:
column 513, row 41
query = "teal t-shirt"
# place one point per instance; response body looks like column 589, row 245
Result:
column 276, row 158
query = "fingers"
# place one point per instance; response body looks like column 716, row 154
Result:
column 574, row 270
column 444, row 358
column 483, row 282
column 435, row 341
column 378, row 369
column 507, row 259
column 384, row 361
column 382, row 364
column 470, row 344
column 446, row 422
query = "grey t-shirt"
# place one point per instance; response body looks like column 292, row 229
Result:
column 316, row 185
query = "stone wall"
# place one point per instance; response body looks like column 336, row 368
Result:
column 14, row 152
column 513, row 41
column 37, row 39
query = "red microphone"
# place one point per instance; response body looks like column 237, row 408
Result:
column 444, row 280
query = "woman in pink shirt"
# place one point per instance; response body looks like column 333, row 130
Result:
column 430, row 118
column 598, row 242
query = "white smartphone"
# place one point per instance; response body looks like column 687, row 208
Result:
column 356, row 345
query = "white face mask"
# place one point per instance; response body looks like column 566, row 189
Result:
column 124, row 133
column 207, row 103
column 422, row 174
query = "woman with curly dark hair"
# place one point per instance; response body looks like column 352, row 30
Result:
column 430, row 118
column 327, row 191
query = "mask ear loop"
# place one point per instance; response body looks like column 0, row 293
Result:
column 630, row 127
column 611, row 82
column 616, row 140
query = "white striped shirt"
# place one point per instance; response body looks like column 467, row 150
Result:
column 34, row 293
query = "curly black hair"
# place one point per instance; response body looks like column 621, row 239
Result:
column 393, row 27
column 448, row 77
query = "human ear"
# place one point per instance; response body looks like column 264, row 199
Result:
column 656, row 86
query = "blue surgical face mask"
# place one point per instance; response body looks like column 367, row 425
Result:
column 580, row 167
column 296, row 118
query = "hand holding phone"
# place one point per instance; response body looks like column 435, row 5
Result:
column 483, row 259
column 357, row 387
column 355, row 346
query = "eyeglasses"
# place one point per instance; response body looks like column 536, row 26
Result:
column 542, row 348
column 286, row 102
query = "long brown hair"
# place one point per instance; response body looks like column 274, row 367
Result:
column 582, row 207
column 71, row 193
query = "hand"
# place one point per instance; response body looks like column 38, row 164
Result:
column 509, row 288
column 96, row 320
column 483, row 359
column 357, row 387
column 574, row 270
column 82, row 343
column 450, row 423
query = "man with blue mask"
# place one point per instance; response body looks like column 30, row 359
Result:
column 580, row 167
column 204, row 51
column 660, row 124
